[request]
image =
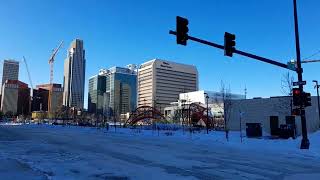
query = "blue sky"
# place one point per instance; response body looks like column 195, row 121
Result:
column 120, row 32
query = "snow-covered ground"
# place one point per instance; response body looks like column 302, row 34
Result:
column 56, row 152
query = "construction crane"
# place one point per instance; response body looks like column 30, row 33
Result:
column 51, row 60
column 29, row 76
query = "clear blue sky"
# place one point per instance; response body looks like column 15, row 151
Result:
column 119, row 32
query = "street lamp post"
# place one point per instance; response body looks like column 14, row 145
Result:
column 182, row 113
column 207, row 97
column 317, row 86
column 241, row 114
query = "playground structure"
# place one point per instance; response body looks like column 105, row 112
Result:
column 194, row 115
column 198, row 114
column 145, row 115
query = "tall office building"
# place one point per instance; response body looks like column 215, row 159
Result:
column 160, row 82
column 121, row 87
column 10, row 70
column 74, row 75
column 113, row 91
column 97, row 87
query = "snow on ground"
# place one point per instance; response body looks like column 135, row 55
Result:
column 70, row 152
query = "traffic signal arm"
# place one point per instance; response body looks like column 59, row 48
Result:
column 259, row 58
column 200, row 40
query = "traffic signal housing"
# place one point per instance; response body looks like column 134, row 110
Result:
column 306, row 99
column 229, row 44
column 296, row 112
column 296, row 96
column 182, row 30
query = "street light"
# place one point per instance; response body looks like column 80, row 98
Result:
column 183, row 101
column 317, row 86
column 207, row 97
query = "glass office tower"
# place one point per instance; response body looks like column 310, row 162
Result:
column 118, row 94
column 97, row 88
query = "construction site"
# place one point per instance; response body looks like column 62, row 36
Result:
column 20, row 100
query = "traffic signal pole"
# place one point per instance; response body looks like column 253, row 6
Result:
column 183, row 35
column 305, row 141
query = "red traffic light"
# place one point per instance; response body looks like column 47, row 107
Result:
column 296, row 91
column 296, row 96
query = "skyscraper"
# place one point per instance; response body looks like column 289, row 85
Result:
column 74, row 75
column 160, row 82
column 97, row 87
column 10, row 70
column 113, row 91
column 121, row 88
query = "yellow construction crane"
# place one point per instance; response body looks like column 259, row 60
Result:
column 51, row 61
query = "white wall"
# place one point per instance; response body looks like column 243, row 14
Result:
column 260, row 110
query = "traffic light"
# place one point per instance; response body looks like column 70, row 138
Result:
column 306, row 99
column 182, row 30
column 296, row 112
column 229, row 44
column 296, row 96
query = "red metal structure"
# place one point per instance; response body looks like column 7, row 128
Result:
column 197, row 113
column 146, row 114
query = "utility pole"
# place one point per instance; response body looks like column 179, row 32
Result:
column 305, row 141
column 317, row 86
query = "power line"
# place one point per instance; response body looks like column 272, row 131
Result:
column 312, row 55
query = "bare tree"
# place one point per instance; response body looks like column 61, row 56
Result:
column 116, row 113
column 286, row 84
column 286, row 89
column 177, row 116
column 83, row 118
column 63, row 112
column 225, row 102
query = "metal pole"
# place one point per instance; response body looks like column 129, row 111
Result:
column 318, row 99
column 305, row 141
column 207, row 97
column 240, row 127
column 182, row 116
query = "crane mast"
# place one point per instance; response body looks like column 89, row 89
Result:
column 51, row 61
